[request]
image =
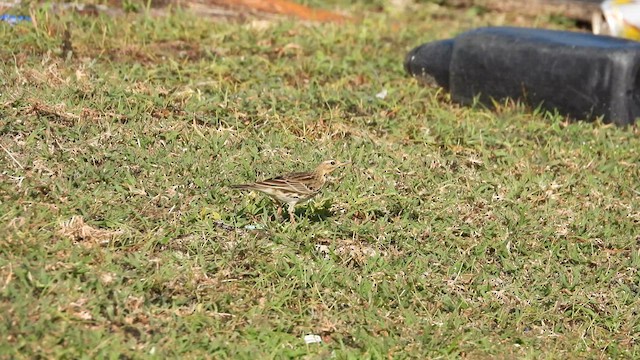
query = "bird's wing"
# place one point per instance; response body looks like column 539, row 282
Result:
column 302, row 183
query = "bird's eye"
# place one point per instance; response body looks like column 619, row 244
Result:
column 332, row 162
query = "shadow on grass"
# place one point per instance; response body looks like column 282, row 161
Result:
column 316, row 214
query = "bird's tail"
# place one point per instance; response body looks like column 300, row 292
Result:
column 241, row 186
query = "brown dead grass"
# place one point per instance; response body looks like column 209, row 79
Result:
column 80, row 232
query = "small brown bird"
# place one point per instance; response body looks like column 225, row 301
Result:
column 295, row 188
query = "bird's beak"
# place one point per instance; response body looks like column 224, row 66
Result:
column 344, row 163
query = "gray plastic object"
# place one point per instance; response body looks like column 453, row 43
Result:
column 581, row 75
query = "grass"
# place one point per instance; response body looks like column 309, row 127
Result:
column 457, row 232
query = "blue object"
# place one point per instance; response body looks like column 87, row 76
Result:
column 14, row 19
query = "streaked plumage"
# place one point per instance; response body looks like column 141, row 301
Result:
column 294, row 188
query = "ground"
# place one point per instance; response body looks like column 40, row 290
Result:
column 455, row 232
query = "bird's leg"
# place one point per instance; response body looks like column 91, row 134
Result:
column 291, row 213
column 279, row 212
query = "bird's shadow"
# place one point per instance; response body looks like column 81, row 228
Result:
column 316, row 212
column 313, row 212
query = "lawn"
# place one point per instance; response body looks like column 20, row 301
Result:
column 455, row 232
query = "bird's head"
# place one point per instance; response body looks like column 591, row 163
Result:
column 328, row 166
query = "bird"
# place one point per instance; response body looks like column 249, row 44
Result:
column 294, row 188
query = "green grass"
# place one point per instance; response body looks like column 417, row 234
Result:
column 456, row 232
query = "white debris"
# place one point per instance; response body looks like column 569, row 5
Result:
column 323, row 250
column 312, row 339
